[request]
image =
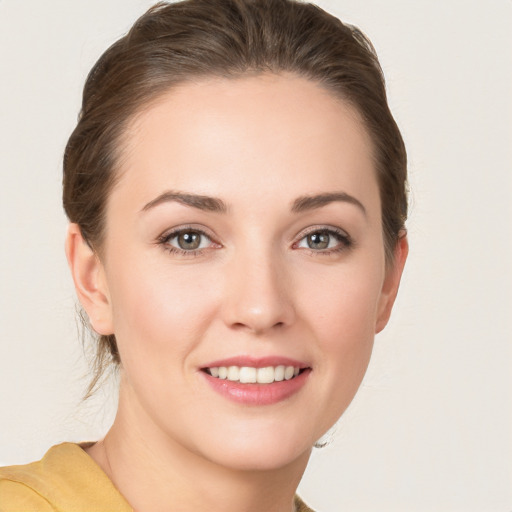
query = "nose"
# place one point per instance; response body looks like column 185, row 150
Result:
column 258, row 294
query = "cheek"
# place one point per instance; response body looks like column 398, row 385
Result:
column 341, row 309
column 159, row 311
column 346, row 337
column 342, row 301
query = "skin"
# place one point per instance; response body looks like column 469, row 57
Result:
column 254, row 287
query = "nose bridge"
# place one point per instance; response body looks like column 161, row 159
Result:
column 257, row 296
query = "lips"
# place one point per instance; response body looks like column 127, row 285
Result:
column 251, row 381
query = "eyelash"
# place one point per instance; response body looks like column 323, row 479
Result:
column 165, row 239
column 345, row 242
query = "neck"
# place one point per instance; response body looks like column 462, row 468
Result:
column 156, row 473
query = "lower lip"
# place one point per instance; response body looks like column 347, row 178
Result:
column 258, row 394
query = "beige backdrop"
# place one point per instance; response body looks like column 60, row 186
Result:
column 431, row 429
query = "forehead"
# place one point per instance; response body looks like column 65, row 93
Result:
column 223, row 137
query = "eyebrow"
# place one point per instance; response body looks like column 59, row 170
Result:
column 206, row 203
column 305, row 203
column 213, row 204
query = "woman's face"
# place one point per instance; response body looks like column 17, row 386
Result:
column 244, row 232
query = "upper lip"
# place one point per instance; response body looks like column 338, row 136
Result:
column 257, row 362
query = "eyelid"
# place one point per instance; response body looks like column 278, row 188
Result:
column 171, row 233
column 345, row 240
column 323, row 227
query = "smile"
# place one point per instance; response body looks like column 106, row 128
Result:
column 252, row 375
column 256, row 381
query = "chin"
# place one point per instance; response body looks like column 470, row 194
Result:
column 253, row 449
column 256, row 458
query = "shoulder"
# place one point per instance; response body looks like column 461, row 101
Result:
column 17, row 493
column 65, row 479
column 300, row 506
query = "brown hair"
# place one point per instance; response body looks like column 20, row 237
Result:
column 173, row 43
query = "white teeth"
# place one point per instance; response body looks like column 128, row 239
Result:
column 288, row 373
column 247, row 375
column 279, row 373
column 233, row 373
column 250, row 375
column 265, row 375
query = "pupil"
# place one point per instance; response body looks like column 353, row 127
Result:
column 189, row 240
column 318, row 241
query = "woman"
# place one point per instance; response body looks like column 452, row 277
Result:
column 236, row 194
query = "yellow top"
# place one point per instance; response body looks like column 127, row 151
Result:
column 66, row 479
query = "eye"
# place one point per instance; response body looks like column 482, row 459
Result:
column 186, row 241
column 324, row 240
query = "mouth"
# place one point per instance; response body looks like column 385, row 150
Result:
column 257, row 381
column 254, row 375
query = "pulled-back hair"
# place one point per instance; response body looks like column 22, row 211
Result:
column 177, row 42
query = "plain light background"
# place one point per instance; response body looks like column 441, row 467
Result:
column 431, row 428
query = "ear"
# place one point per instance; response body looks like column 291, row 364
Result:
column 391, row 283
column 90, row 282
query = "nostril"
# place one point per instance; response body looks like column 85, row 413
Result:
column 256, row 328
column 239, row 326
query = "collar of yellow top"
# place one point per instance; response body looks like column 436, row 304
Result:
column 70, row 481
